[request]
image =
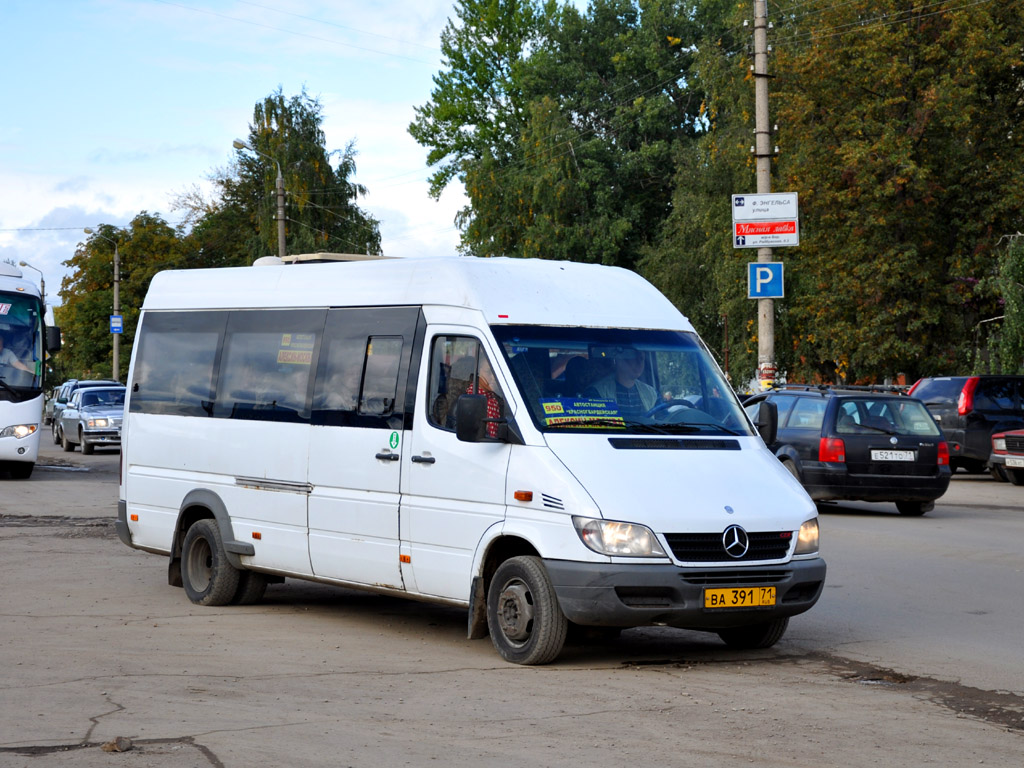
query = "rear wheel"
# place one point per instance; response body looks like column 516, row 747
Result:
column 527, row 625
column 791, row 468
column 251, row 586
column 756, row 635
column 914, row 508
column 1016, row 476
column 206, row 574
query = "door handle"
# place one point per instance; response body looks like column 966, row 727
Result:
column 388, row 456
column 423, row 459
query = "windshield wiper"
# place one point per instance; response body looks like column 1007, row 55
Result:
column 877, row 429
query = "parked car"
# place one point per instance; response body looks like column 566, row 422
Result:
column 67, row 389
column 970, row 409
column 1007, row 456
column 859, row 445
column 92, row 417
column 51, row 400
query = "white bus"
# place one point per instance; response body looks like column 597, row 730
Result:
column 24, row 342
column 543, row 443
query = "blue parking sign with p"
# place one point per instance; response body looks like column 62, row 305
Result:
column 764, row 280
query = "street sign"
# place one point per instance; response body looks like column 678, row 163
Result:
column 765, row 221
column 116, row 323
column 764, row 280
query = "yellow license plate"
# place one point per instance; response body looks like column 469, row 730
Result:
column 739, row 597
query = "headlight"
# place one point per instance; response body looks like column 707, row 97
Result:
column 19, row 430
column 608, row 537
column 999, row 444
column 807, row 539
column 97, row 422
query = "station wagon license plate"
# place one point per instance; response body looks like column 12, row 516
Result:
column 893, row 456
column 739, row 597
column 1013, row 461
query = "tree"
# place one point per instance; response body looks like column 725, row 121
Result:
column 901, row 135
column 240, row 224
column 565, row 145
column 146, row 246
column 1010, row 286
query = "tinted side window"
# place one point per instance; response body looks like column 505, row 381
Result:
column 459, row 366
column 265, row 372
column 994, row 395
column 364, row 367
column 808, row 413
column 176, row 362
column 943, row 389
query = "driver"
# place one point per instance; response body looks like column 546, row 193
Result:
column 7, row 357
column 623, row 385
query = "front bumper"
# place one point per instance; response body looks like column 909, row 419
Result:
column 603, row 595
column 102, row 436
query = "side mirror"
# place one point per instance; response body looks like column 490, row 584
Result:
column 470, row 412
column 52, row 339
column 767, row 421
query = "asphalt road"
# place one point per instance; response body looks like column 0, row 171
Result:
column 912, row 657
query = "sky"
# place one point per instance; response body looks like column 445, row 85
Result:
column 114, row 107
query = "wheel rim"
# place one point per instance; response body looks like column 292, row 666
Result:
column 515, row 611
column 200, row 564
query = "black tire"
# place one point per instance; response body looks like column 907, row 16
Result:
column 997, row 473
column 66, row 444
column 791, row 468
column 206, row 574
column 20, row 470
column 251, row 587
column 87, row 448
column 56, row 434
column 756, row 635
column 527, row 625
column 1015, row 476
column 914, row 508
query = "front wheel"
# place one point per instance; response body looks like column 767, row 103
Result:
column 527, row 625
column 1016, row 476
column 66, row 444
column 206, row 574
column 87, row 448
column 756, row 635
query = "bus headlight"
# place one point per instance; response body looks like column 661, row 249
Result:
column 616, row 539
column 807, row 539
column 19, row 430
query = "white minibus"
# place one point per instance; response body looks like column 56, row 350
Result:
column 544, row 443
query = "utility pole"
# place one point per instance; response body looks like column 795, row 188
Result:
column 763, row 154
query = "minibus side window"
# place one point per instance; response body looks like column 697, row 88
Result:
column 364, row 365
column 266, row 369
column 459, row 366
column 176, row 363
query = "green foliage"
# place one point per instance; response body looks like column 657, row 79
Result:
column 1010, row 285
column 564, row 139
column 320, row 201
column 234, row 229
column 145, row 247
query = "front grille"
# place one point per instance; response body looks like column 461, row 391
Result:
column 709, row 548
column 1015, row 444
column 727, row 578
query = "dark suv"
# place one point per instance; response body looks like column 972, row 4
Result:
column 970, row 409
column 859, row 445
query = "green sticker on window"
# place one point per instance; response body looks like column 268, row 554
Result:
column 393, row 442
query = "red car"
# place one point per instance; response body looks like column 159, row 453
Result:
column 1008, row 455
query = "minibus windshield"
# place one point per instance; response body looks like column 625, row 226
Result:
column 620, row 380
